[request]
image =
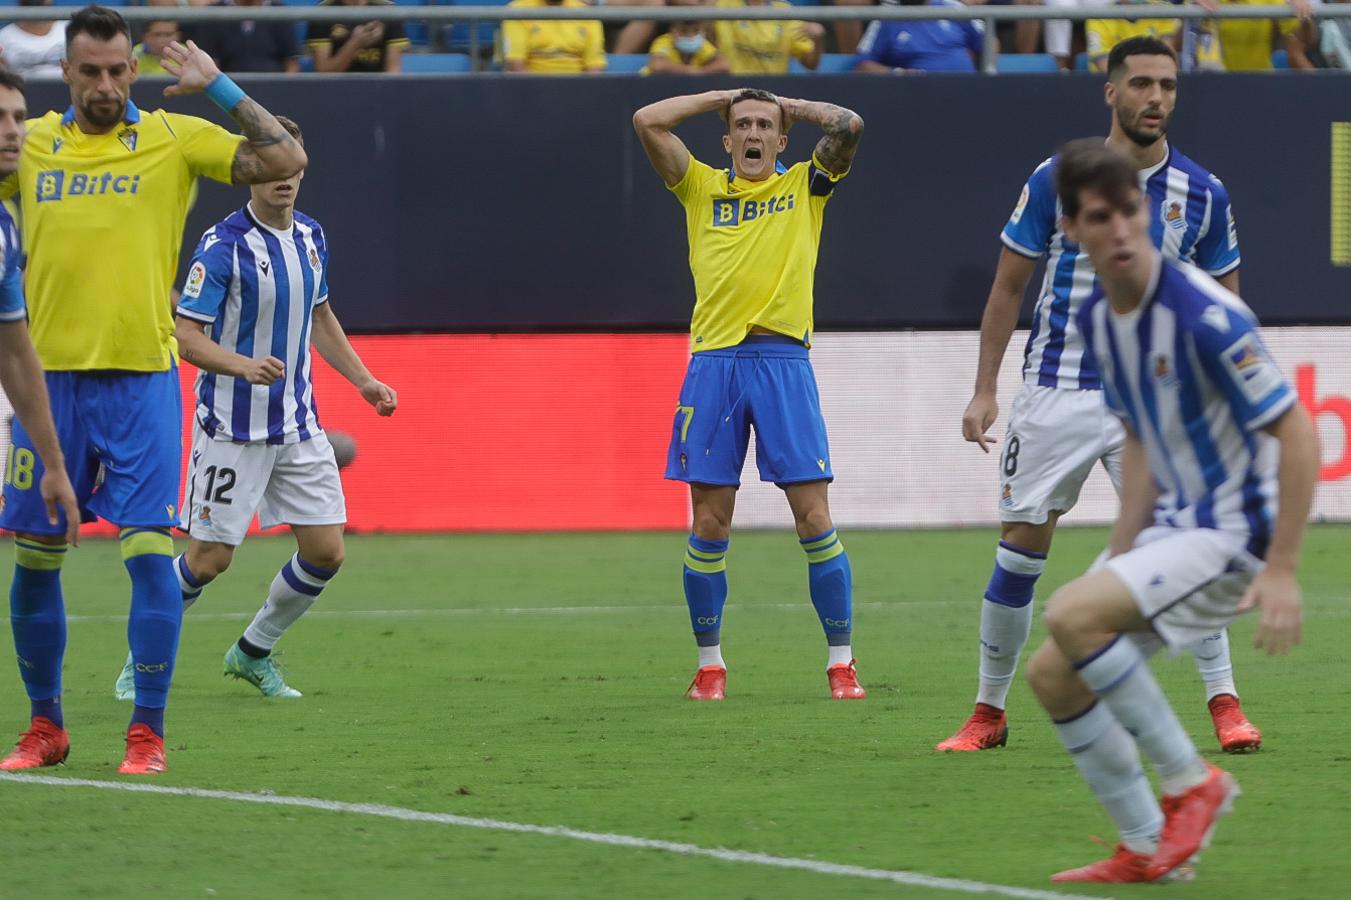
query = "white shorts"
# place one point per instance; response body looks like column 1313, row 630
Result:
column 1054, row 439
column 285, row 484
column 1187, row 581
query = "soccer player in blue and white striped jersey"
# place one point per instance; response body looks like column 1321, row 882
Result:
column 1058, row 428
column 256, row 298
column 1218, row 472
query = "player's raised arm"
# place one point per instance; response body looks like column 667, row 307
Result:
column 268, row 152
column 843, row 130
column 996, row 328
column 654, row 124
column 331, row 341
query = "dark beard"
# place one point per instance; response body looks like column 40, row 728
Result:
column 102, row 120
column 1140, row 138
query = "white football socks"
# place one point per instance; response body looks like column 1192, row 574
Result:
column 841, row 655
column 1214, row 664
column 1003, row 633
column 294, row 590
column 711, row 656
column 1109, row 761
column 1119, row 674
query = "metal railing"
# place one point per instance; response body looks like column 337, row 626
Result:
column 990, row 15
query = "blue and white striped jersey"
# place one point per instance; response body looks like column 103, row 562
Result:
column 1190, row 375
column 12, row 305
column 1190, row 220
column 257, row 288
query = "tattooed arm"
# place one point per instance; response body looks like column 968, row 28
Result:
column 268, row 152
column 843, row 130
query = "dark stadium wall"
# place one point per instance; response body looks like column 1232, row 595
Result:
column 525, row 204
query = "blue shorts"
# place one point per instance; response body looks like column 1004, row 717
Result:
column 765, row 382
column 128, row 423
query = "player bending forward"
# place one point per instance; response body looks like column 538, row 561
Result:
column 255, row 298
column 1218, row 472
column 753, row 231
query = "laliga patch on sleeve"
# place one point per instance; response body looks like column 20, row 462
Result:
column 1251, row 368
column 196, row 278
column 1022, row 205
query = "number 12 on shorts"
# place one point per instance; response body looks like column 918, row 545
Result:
column 219, row 493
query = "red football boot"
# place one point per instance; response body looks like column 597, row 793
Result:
column 986, row 728
column 1189, row 820
column 844, row 682
column 710, row 683
column 43, row 744
column 1232, row 727
column 145, row 752
column 1122, row 867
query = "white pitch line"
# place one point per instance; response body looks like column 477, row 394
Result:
column 914, row 879
column 501, row 611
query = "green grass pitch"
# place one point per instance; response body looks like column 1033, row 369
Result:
column 538, row 679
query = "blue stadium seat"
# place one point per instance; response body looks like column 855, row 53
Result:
column 1280, row 59
column 457, row 36
column 830, row 63
column 1081, row 62
column 625, row 63
column 1020, row 63
column 437, row 63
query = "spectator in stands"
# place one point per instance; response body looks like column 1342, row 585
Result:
column 1335, row 41
column 685, row 50
column 1247, row 44
column 1063, row 37
column 848, row 33
column 552, row 48
column 765, row 47
column 356, row 46
column 1023, row 36
column 939, row 45
column 249, row 45
column 154, row 38
column 635, row 36
column 1101, row 35
column 34, row 49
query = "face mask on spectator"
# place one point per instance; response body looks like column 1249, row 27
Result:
column 691, row 43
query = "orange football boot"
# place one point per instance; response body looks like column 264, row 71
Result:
column 43, row 744
column 844, row 682
column 710, row 683
column 986, row 728
column 145, row 752
column 1189, row 820
column 1125, row 866
column 1232, row 727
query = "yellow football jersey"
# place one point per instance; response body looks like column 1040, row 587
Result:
column 554, row 47
column 752, row 250
column 761, row 47
column 1247, row 43
column 1102, row 35
column 664, row 46
column 102, row 224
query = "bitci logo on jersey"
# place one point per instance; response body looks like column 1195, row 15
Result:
column 57, row 184
column 733, row 211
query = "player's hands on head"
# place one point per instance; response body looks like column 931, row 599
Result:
column 383, row 397
column 1276, row 593
column 191, row 65
column 59, row 496
column 263, row 371
column 976, row 421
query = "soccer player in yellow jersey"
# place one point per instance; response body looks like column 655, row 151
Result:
column 763, row 47
column 753, row 231
column 104, row 187
column 553, row 47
